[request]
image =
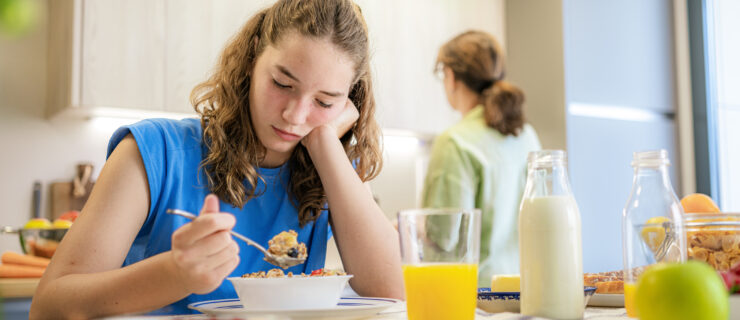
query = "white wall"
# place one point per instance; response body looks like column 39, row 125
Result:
column 534, row 33
column 405, row 38
column 34, row 148
column 399, row 184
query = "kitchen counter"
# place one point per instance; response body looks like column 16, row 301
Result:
column 18, row 288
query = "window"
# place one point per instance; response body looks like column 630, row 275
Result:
column 716, row 72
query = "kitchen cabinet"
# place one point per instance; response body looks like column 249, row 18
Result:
column 196, row 33
column 122, row 54
column 105, row 55
column 147, row 55
column 188, row 51
column 113, row 57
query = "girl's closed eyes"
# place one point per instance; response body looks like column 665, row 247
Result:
column 285, row 86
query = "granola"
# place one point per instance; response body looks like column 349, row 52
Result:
column 286, row 244
column 718, row 248
column 278, row 273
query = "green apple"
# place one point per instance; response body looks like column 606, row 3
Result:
column 681, row 291
column 18, row 16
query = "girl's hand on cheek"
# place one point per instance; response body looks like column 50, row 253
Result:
column 338, row 127
column 203, row 251
column 346, row 120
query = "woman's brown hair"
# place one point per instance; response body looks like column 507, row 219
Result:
column 476, row 59
column 234, row 151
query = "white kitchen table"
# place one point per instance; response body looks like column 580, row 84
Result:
column 399, row 313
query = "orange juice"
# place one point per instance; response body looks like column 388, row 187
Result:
column 440, row 291
column 629, row 299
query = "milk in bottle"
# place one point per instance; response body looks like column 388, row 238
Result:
column 550, row 249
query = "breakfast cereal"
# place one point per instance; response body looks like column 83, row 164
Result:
column 714, row 240
column 286, row 244
column 278, row 273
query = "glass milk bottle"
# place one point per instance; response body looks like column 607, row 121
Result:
column 652, row 225
column 551, row 262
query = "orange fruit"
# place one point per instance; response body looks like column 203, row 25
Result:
column 699, row 203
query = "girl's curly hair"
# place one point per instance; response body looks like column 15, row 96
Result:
column 234, row 151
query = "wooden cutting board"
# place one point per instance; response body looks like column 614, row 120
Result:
column 71, row 195
column 18, row 288
column 62, row 199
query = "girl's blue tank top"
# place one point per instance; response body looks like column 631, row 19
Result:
column 172, row 152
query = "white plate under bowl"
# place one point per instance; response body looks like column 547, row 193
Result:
column 607, row 300
column 348, row 308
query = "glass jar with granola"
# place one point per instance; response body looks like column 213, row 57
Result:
column 714, row 239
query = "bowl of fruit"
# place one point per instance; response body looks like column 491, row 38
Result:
column 40, row 237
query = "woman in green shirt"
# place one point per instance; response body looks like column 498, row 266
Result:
column 481, row 161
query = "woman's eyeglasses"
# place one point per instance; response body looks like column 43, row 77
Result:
column 439, row 72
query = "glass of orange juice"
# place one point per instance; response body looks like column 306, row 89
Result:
column 439, row 249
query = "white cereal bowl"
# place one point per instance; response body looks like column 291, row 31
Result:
column 289, row 293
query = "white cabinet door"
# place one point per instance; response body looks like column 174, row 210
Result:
column 122, row 54
column 229, row 16
column 189, row 57
column 197, row 31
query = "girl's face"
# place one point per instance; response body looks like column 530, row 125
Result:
column 298, row 84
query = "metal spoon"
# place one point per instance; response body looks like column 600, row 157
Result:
column 284, row 262
column 661, row 251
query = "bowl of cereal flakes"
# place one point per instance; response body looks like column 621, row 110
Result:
column 714, row 238
column 275, row 290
